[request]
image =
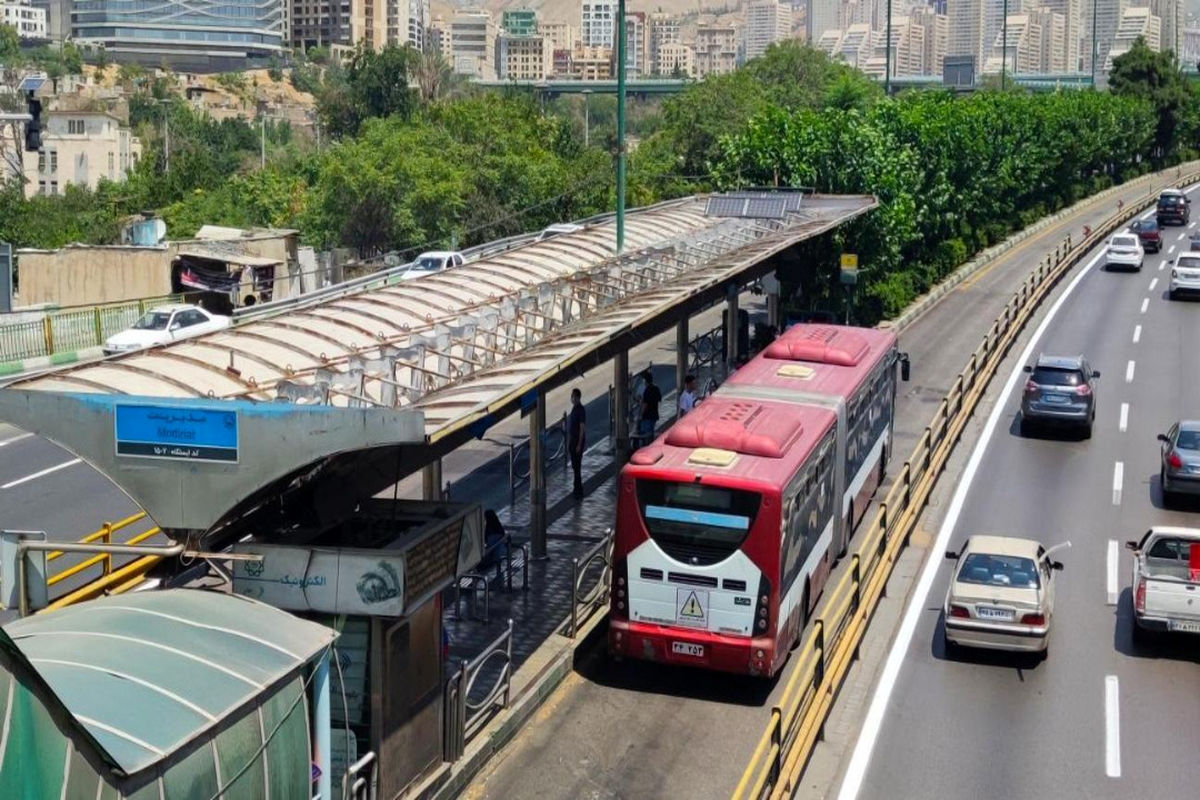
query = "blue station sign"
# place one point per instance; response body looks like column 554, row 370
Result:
column 177, row 432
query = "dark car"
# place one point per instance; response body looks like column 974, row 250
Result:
column 1149, row 233
column 1061, row 391
column 1173, row 207
column 1180, row 470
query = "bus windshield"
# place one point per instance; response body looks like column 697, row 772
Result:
column 697, row 524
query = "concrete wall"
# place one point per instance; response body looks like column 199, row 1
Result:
column 77, row 276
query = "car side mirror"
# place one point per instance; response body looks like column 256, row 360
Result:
column 1131, row 545
column 950, row 554
column 1028, row 368
column 1095, row 373
column 1162, row 437
column 1056, row 565
column 174, row 327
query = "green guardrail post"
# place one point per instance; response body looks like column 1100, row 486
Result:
column 96, row 322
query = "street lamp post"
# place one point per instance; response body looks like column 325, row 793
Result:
column 887, row 63
column 1095, row 50
column 1004, row 51
column 620, row 126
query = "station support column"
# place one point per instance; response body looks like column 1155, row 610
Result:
column 431, row 480
column 731, row 327
column 681, row 354
column 321, row 725
column 537, row 478
column 621, row 406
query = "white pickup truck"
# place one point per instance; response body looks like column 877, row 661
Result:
column 1166, row 581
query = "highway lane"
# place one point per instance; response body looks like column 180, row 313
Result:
column 641, row 730
column 1099, row 717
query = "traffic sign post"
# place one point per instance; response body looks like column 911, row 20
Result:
column 849, row 279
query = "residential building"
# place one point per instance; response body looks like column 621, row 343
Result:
column 716, row 49
column 1108, row 18
column 598, row 23
column 58, row 18
column 821, row 16
column 829, row 42
column 28, row 20
column 564, row 60
column 189, row 35
column 523, row 58
column 1052, row 45
column 519, row 22
column 857, row 45
column 439, row 37
column 418, row 24
column 636, row 45
column 561, row 34
column 473, row 43
column 1023, row 47
column 907, row 50
column 767, row 22
column 936, row 35
column 1072, row 30
column 591, row 63
column 1170, row 15
column 324, row 23
column 1136, row 23
column 664, row 29
column 965, row 19
column 81, row 148
column 676, row 61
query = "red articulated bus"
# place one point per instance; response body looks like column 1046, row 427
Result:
column 729, row 523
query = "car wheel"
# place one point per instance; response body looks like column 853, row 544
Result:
column 1087, row 432
column 1171, row 295
column 1141, row 636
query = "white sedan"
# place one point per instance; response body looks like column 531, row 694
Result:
column 1124, row 252
column 163, row 325
column 1002, row 594
column 433, row 262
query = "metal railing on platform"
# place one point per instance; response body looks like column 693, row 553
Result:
column 466, row 717
column 587, row 599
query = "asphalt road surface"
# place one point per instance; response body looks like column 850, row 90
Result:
column 1099, row 717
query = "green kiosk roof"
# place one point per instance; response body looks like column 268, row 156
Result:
column 143, row 674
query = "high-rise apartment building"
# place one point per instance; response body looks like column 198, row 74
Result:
column 821, row 16
column 524, row 57
column 189, row 35
column 561, row 34
column 664, row 29
column 1170, row 15
column 829, row 42
column 636, row 45
column 767, row 22
column 473, row 43
column 676, row 60
column 519, row 22
column 439, row 38
column 1070, row 10
column 907, row 49
column 321, row 24
column 857, row 45
column 598, row 23
column 966, row 25
column 716, row 49
column 1052, row 45
column 1136, row 23
column 1108, row 18
column 936, row 34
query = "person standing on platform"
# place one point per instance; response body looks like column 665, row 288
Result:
column 576, row 439
column 651, row 397
column 687, row 398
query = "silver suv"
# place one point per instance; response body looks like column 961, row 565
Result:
column 1061, row 390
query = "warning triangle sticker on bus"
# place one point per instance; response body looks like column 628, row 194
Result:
column 692, row 607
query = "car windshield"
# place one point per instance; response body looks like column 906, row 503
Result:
column 1124, row 241
column 1052, row 376
column 991, row 570
column 1188, row 440
column 153, row 321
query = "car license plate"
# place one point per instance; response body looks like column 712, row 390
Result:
column 688, row 649
column 1184, row 626
column 1057, row 399
column 990, row 612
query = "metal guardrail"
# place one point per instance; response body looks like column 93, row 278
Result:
column 554, row 447
column 832, row 645
column 72, row 329
column 464, row 717
column 585, row 602
column 357, row 787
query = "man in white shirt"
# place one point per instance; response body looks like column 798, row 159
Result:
column 687, row 398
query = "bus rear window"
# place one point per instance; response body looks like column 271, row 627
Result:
column 697, row 524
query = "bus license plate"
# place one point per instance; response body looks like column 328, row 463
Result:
column 688, row 649
column 1184, row 626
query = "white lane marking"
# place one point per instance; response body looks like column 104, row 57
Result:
column 1153, row 283
column 1191, row 224
column 1145, row 304
column 1112, row 727
column 15, row 439
column 1137, row 333
column 1129, row 371
column 1182, row 236
column 856, row 771
column 1162, row 266
column 1124, row 424
column 1114, row 559
column 41, row 474
column 1170, row 250
column 1118, row 480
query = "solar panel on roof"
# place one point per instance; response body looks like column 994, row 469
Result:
column 792, row 200
column 760, row 205
column 769, row 208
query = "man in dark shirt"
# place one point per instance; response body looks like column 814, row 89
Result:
column 576, row 438
column 651, row 397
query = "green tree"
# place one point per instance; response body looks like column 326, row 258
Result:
column 1142, row 72
column 373, row 84
column 10, row 47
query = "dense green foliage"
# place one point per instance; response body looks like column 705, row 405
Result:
column 952, row 175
